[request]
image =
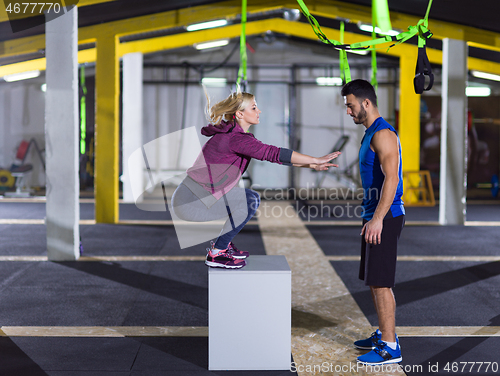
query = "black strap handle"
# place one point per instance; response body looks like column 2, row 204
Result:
column 423, row 69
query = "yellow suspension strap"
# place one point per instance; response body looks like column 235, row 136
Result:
column 242, row 72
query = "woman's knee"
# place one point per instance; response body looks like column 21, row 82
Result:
column 253, row 200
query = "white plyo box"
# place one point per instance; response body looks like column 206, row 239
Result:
column 249, row 315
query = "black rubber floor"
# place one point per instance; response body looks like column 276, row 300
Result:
column 450, row 356
column 34, row 210
column 414, row 240
column 146, row 240
column 434, row 293
column 132, row 356
column 104, row 294
column 118, row 240
column 331, row 210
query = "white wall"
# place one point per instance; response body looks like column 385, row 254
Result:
column 272, row 100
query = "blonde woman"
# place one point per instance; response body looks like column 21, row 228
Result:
column 206, row 193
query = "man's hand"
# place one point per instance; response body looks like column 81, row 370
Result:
column 373, row 231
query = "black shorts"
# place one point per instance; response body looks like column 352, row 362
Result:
column 378, row 261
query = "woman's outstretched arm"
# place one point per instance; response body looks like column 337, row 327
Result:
column 317, row 163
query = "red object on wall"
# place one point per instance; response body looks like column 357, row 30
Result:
column 470, row 120
column 22, row 150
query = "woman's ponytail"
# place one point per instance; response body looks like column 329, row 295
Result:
column 226, row 109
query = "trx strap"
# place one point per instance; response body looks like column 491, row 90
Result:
column 380, row 12
column 423, row 67
column 315, row 25
column 420, row 29
column 83, row 111
column 242, row 72
column 345, row 71
column 375, row 12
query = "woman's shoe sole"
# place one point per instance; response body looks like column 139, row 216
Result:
column 217, row 265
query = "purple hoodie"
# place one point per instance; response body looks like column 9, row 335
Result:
column 225, row 157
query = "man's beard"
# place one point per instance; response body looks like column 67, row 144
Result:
column 360, row 119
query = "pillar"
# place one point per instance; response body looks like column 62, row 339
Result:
column 107, row 130
column 409, row 118
column 409, row 114
column 131, row 124
column 62, row 137
column 453, row 175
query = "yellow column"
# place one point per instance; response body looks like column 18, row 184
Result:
column 409, row 117
column 107, row 130
column 409, row 114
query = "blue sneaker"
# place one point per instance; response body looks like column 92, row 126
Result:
column 369, row 343
column 382, row 354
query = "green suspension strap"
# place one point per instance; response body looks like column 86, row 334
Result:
column 83, row 111
column 374, row 36
column 398, row 39
column 421, row 29
column 345, row 71
column 381, row 17
column 423, row 67
column 242, row 72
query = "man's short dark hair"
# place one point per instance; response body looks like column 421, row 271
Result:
column 361, row 89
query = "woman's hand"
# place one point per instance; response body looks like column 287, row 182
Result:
column 303, row 160
column 323, row 166
column 327, row 158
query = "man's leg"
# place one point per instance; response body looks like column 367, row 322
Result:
column 385, row 305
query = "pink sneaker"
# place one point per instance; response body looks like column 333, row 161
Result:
column 222, row 259
column 236, row 253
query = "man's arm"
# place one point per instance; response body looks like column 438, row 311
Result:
column 386, row 144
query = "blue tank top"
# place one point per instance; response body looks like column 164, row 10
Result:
column 372, row 176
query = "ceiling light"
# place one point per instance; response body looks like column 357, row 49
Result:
column 214, row 81
column 369, row 28
column 43, row 88
column 213, row 44
column 478, row 91
column 291, row 14
column 329, row 81
column 486, row 76
column 206, row 25
column 357, row 52
column 21, row 76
